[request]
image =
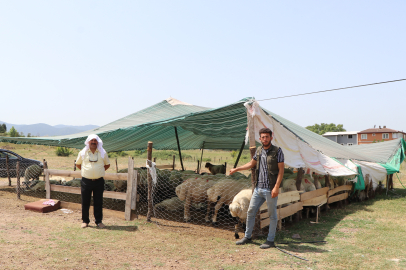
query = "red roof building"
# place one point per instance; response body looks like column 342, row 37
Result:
column 373, row 135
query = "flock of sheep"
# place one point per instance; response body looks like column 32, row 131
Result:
column 186, row 190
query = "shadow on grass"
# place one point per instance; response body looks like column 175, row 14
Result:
column 122, row 228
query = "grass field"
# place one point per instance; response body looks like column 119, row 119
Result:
column 366, row 235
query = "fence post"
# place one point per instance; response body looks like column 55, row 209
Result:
column 45, row 166
column 173, row 162
column 225, row 166
column 128, row 199
column 18, row 179
column 74, row 165
column 8, row 171
column 134, row 193
column 116, row 166
column 197, row 170
column 47, row 184
column 149, row 156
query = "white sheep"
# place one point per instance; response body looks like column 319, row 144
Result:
column 224, row 192
column 308, row 185
column 290, row 185
column 239, row 208
column 194, row 190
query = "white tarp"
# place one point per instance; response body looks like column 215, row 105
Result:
column 297, row 153
column 375, row 171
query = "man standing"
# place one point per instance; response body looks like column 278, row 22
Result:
column 93, row 162
column 269, row 163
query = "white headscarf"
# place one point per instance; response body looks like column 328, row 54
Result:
column 99, row 145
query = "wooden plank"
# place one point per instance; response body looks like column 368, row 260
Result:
column 285, row 211
column 290, row 210
column 340, row 188
column 66, row 189
column 264, row 206
column 78, row 206
column 77, row 174
column 76, row 190
column 47, row 184
column 130, row 178
column 313, row 194
column 337, row 198
column 288, row 197
column 316, row 201
column 164, row 166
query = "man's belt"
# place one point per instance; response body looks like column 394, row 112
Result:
column 84, row 178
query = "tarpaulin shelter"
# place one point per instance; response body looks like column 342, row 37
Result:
column 226, row 128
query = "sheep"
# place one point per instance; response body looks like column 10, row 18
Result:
column 194, row 190
column 239, row 207
column 215, row 169
column 290, row 185
column 32, row 172
column 175, row 204
column 223, row 192
column 172, row 204
column 308, row 185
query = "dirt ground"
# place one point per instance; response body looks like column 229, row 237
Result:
column 31, row 240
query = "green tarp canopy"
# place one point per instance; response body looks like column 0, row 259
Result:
column 219, row 128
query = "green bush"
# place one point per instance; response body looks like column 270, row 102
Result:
column 233, row 154
column 63, row 152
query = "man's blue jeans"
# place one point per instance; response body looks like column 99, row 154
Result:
column 259, row 196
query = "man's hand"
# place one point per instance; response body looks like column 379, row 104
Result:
column 232, row 171
column 275, row 192
column 106, row 167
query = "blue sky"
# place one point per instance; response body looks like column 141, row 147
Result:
column 92, row 62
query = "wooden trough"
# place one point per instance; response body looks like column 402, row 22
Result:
column 299, row 200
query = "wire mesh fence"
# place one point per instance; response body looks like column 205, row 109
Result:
column 216, row 201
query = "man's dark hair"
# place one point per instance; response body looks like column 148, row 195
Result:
column 265, row 130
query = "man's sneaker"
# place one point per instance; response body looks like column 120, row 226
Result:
column 243, row 241
column 101, row 225
column 268, row 244
column 84, row 225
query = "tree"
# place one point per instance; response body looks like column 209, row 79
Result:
column 13, row 132
column 4, row 127
column 2, row 130
column 323, row 128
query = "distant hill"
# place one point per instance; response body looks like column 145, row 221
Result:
column 48, row 130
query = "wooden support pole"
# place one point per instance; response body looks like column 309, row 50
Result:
column 74, row 165
column 180, row 152
column 316, row 180
column 299, row 177
column 47, row 183
column 18, row 179
column 327, row 181
column 391, row 181
column 128, row 200
column 201, row 158
column 8, row 170
column 225, row 166
column 239, row 154
column 149, row 157
column 173, row 162
column 45, row 166
column 197, row 170
column 117, row 166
